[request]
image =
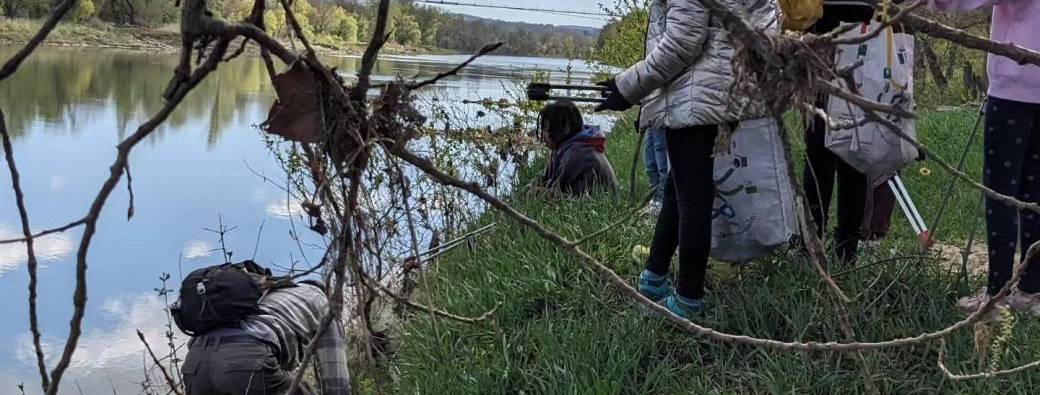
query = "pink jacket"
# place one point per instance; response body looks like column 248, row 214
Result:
column 1014, row 21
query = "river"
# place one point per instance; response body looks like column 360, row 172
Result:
column 68, row 108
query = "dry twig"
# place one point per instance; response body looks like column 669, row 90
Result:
column 984, row 375
column 30, row 252
column 170, row 381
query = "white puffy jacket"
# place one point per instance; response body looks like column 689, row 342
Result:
column 685, row 78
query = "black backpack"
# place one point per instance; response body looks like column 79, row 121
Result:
column 218, row 296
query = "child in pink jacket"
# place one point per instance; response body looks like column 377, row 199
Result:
column 1012, row 148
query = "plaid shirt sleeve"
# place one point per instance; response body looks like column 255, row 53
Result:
column 331, row 355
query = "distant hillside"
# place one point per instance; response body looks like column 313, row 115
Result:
column 469, row 33
column 416, row 25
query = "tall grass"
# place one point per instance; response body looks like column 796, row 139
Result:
column 561, row 330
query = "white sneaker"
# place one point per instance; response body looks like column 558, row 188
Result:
column 870, row 244
column 1025, row 302
column 972, row 303
column 652, row 209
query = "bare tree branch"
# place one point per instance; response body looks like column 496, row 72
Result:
column 984, row 375
column 79, row 298
column 483, row 51
column 30, row 252
column 376, row 286
column 170, row 381
column 860, row 101
column 690, row 327
column 884, row 25
column 129, row 190
column 624, row 218
column 368, row 60
column 818, row 258
column 935, row 29
column 45, row 232
column 12, row 64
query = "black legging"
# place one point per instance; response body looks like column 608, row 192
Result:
column 1012, row 167
column 823, row 164
column 685, row 218
column 820, row 167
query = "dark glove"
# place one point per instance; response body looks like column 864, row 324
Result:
column 614, row 100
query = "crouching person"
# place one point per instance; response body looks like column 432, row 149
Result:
column 250, row 332
column 578, row 164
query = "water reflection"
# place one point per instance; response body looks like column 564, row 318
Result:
column 48, row 249
column 196, row 249
column 111, row 357
column 66, row 88
column 67, row 108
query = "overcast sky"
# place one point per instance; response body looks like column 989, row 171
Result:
column 534, row 17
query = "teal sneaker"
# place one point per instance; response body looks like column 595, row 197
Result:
column 654, row 286
column 685, row 307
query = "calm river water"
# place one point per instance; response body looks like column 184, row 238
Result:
column 67, row 109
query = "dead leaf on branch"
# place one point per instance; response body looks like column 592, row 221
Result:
column 296, row 115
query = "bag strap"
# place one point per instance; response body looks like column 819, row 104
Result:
column 882, row 16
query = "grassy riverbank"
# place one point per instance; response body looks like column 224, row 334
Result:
column 164, row 38
column 560, row 329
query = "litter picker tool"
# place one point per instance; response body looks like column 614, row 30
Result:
column 466, row 239
column 541, row 91
column 924, row 236
column 960, row 166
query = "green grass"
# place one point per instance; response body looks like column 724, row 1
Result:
column 562, row 330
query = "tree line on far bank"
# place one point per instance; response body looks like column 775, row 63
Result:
column 345, row 22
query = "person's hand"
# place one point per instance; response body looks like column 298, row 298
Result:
column 614, row 100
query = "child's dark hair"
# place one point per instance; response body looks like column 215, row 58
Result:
column 563, row 120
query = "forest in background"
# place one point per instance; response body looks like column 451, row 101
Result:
column 339, row 23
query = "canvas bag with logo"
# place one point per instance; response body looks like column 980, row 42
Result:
column 886, row 77
column 753, row 211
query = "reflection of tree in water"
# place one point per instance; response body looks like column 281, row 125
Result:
column 70, row 86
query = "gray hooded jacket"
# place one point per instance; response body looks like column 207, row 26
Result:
column 579, row 165
column 685, row 78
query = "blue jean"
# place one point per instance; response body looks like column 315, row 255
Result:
column 656, row 159
column 1011, row 167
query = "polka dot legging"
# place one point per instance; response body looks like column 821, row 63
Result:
column 1011, row 167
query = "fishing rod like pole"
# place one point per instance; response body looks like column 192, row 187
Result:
column 542, row 91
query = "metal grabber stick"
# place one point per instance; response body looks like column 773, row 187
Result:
column 960, row 166
column 540, row 91
column 910, row 210
column 966, row 252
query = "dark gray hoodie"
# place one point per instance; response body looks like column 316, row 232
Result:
column 579, row 165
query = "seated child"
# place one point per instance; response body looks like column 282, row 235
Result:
column 577, row 164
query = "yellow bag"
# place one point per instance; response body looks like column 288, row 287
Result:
column 801, row 14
